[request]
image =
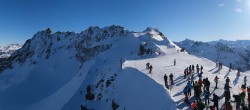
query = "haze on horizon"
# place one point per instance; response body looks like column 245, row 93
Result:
column 177, row 19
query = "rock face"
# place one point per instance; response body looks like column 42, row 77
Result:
column 220, row 51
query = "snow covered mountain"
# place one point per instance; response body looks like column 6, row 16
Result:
column 222, row 51
column 104, row 69
column 234, row 44
column 54, row 71
column 8, row 50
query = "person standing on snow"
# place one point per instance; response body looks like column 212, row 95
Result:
column 193, row 68
column 206, row 96
column 166, row 81
column 196, row 91
column 238, row 72
column 197, row 68
column 192, row 79
column 216, row 79
column 171, row 79
column 245, row 80
column 189, row 85
column 227, row 92
column 237, row 101
column 216, row 101
column 227, row 80
column 185, row 73
column 147, row 65
column 174, row 62
column 185, row 91
column 201, row 68
column 150, row 68
column 207, row 84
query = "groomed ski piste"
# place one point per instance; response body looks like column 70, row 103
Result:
column 165, row 65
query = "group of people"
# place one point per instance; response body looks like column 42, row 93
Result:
column 219, row 65
column 170, row 79
column 201, row 87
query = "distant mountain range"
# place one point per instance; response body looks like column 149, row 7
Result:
column 6, row 51
column 235, row 52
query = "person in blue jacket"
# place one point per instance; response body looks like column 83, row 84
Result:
column 185, row 91
column 189, row 85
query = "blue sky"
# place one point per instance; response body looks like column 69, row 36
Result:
column 202, row 20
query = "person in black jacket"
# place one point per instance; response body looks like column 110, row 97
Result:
column 171, row 79
column 237, row 101
column 166, row 81
column 216, row 101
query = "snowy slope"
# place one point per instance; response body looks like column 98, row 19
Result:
column 52, row 70
column 219, row 52
column 164, row 65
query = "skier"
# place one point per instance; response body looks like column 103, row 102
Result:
column 216, row 81
column 147, row 65
column 150, row 68
column 216, row 101
column 237, row 101
column 174, row 62
column 171, row 79
column 185, row 91
column 189, row 85
column 166, row 81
